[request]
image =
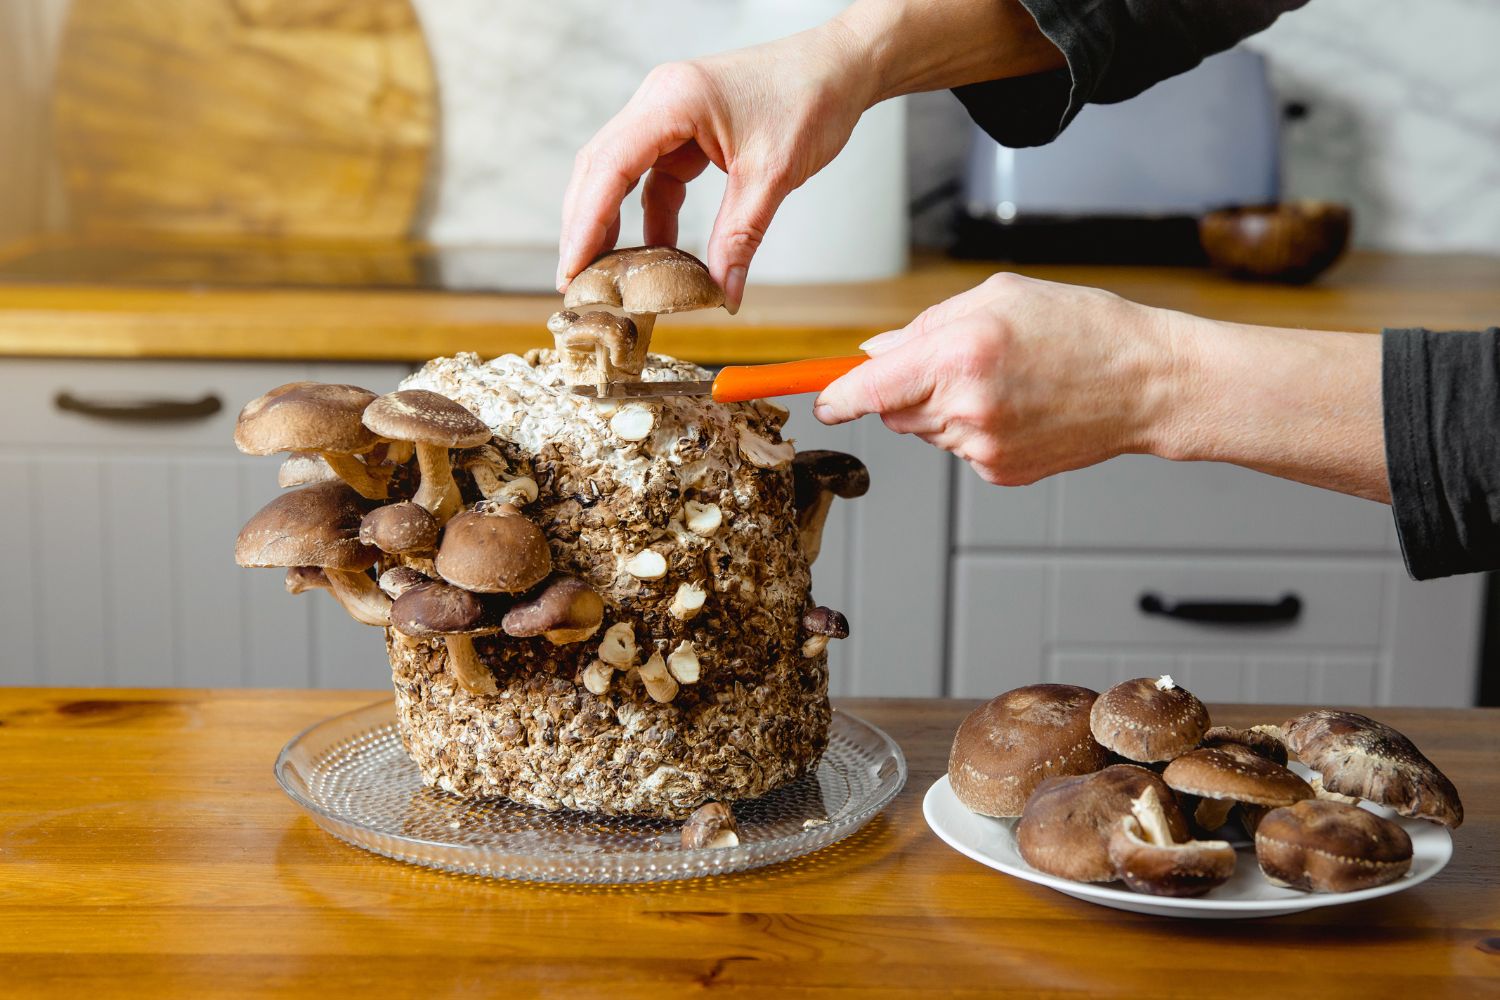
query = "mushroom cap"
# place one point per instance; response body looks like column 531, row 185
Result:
column 1141, row 720
column 566, row 607
column 1233, row 772
column 1066, row 825
column 826, row 621
column 1321, row 846
column 434, row 609
column 1008, row 745
column 399, row 579
column 1358, row 756
column 493, row 553
column 816, row 470
column 582, row 332
column 1261, row 744
column 305, row 416
column 1187, row 869
column 656, row 279
column 400, row 528
column 315, row 525
column 425, row 417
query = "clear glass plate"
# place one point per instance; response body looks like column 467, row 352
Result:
column 352, row 775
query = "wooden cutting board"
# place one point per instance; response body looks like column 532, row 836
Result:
column 216, row 118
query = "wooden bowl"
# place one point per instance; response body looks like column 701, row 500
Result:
column 1294, row 242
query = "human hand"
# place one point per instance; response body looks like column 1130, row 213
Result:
column 769, row 116
column 1020, row 378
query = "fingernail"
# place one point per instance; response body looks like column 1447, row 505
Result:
column 823, row 412
column 883, row 341
column 734, row 289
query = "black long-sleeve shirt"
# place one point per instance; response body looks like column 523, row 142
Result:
column 1440, row 391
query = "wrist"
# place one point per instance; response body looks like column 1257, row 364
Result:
column 1173, row 421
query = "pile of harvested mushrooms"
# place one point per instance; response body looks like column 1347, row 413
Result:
column 1135, row 784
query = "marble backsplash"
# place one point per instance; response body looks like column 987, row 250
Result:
column 1403, row 123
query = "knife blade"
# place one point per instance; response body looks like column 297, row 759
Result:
column 738, row 383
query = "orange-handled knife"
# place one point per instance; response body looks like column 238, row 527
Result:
column 739, row 383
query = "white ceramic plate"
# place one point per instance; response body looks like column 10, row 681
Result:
column 992, row 842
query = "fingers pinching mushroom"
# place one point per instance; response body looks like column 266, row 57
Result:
column 645, row 281
column 318, row 526
column 819, row 476
column 566, row 611
column 1010, row 744
column 822, row 624
column 711, row 825
column 435, row 610
column 493, row 553
column 1150, row 861
column 400, row 529
column 1223, row 775
column 1319, row 846
column 597, row 346
column 434, row 424
column 1067, row 823
column 1358, row 756
column 1148, row 719
column 317, row 417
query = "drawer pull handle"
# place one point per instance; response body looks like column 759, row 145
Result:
column 1281, row 612
column 143, row 411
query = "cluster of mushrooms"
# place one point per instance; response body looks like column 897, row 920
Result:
column 1131, row 784
column 405, row 549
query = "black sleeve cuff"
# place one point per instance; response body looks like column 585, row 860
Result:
column 1441, row 400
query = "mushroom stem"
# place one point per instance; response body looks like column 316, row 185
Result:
column 644, row 322
column 438, row 492
column 360, row 596
column 354, row 472
column 810, row 523
column 1212, row 813
column 466, row 666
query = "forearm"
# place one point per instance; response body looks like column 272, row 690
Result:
column 1300, row 404
column 918, row 45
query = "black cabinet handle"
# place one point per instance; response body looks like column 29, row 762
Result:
column 1281, row 612
column 144, row 411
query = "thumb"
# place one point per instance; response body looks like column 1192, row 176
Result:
column 744, row 216
column 888, row 382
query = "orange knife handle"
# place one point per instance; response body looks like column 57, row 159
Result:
column 740, row 383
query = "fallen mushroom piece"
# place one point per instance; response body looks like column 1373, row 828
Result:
column 822, row 624
column 493, row 553
column 763, row 453
column 683, row 663
column 566, row 611
column 645, row 282
column 711, row 825
column 1262, row 744
column 318, row 526
column 433, row 423
column 1223, row 775
column 1358, row 756
column 597, row 347
column 1148, row 719
column 399, row 579
column 303, row 468
column 1067, row 823
column 688, row 601
column 597, row 676
column 1320, row 846
column 818, row 476
column 1149, row 861
column 647, row 564
column 659, row 682
column 404, row 528
column 617, row 646
column 702, row 519
column 436, row 610
column 318, row 417
column 1008, row 745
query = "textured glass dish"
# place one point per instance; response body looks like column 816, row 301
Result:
column 352, row 775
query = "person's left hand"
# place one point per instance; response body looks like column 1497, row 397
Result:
column 1020, row 378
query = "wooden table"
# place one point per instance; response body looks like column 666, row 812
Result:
column 146, row 851
column 778, row 323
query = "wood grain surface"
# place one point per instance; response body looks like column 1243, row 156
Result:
column 227, row 117
column 145, row 850
column 777, row 323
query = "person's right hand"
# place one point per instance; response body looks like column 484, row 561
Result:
column 770, row 117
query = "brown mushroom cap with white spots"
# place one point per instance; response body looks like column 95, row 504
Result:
column 404, row 528
column 434, row 423
column 493, row 553
column 1066, row 825
column 399, row 579
column 1321, row 846
column 1010, row 744
column 1262, row 744
column 1224, row 775
column 1359, row 756
column 566, row 611
column 315, row 417
column 1148, row 719
column 654, row 279
column 437, row 610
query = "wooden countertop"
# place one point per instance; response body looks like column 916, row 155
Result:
column 1365, row 292
column 145, row 850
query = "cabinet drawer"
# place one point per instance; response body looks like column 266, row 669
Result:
column 1139, row 502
